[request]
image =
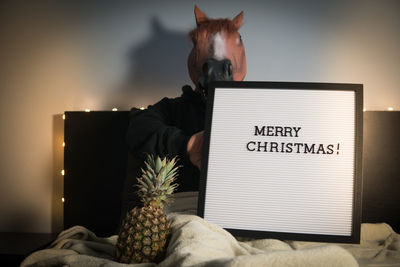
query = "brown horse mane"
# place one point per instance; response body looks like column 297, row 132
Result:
column 212, row 26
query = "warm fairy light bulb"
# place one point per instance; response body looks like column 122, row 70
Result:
column 364, row 109
column 142, row 108
column 63, row 116
column 63, row 144
column 62, row 172
column 114, row 109
column 390, row 108
column 87, row 110
column 63, row 199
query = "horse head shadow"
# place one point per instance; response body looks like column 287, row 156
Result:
column 158, row 65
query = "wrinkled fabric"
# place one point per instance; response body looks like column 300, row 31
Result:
column 196, row 242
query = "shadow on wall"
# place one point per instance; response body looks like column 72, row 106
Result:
column 157, row 66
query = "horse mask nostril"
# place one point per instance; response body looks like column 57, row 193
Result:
column 228, row 69
column 215, row 70
column 207, row 69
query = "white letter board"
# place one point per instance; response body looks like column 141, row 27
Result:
column 283, row 160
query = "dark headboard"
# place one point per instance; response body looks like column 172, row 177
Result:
column 95, row 162
column 381, row 168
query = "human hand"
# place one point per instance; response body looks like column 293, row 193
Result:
column 195, row 148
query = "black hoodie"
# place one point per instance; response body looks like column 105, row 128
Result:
column 165, row 128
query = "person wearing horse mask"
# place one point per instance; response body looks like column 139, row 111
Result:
column 174, row 127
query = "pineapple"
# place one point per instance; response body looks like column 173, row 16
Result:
column 144, row 231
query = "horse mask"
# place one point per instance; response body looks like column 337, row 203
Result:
column 218, row 51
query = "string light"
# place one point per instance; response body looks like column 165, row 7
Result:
column 62, row 172
column 114, row 109
column 390, row 108
column 63, row 199
column 142, row 108
column 63, row 144
column 87, row 110
column 63, row 116
column 364, row 109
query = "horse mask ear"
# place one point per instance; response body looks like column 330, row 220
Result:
column 237, row 21
column 200, row 16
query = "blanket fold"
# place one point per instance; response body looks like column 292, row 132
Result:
column 196, row 242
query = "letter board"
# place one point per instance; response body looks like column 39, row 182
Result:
column 283, row 160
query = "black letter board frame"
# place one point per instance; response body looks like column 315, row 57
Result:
column 357, row 181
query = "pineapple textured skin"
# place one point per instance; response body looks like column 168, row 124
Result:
column 143, row 235
column 144, row 231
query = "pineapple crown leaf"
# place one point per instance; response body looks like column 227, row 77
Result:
column 159, row 164
column 146, row 180
column 155, row 185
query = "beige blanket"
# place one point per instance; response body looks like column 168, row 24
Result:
column 195, row 242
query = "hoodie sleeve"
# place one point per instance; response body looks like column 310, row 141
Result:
column 154, row 130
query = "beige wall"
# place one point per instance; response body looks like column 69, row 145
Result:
column 62, row 56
